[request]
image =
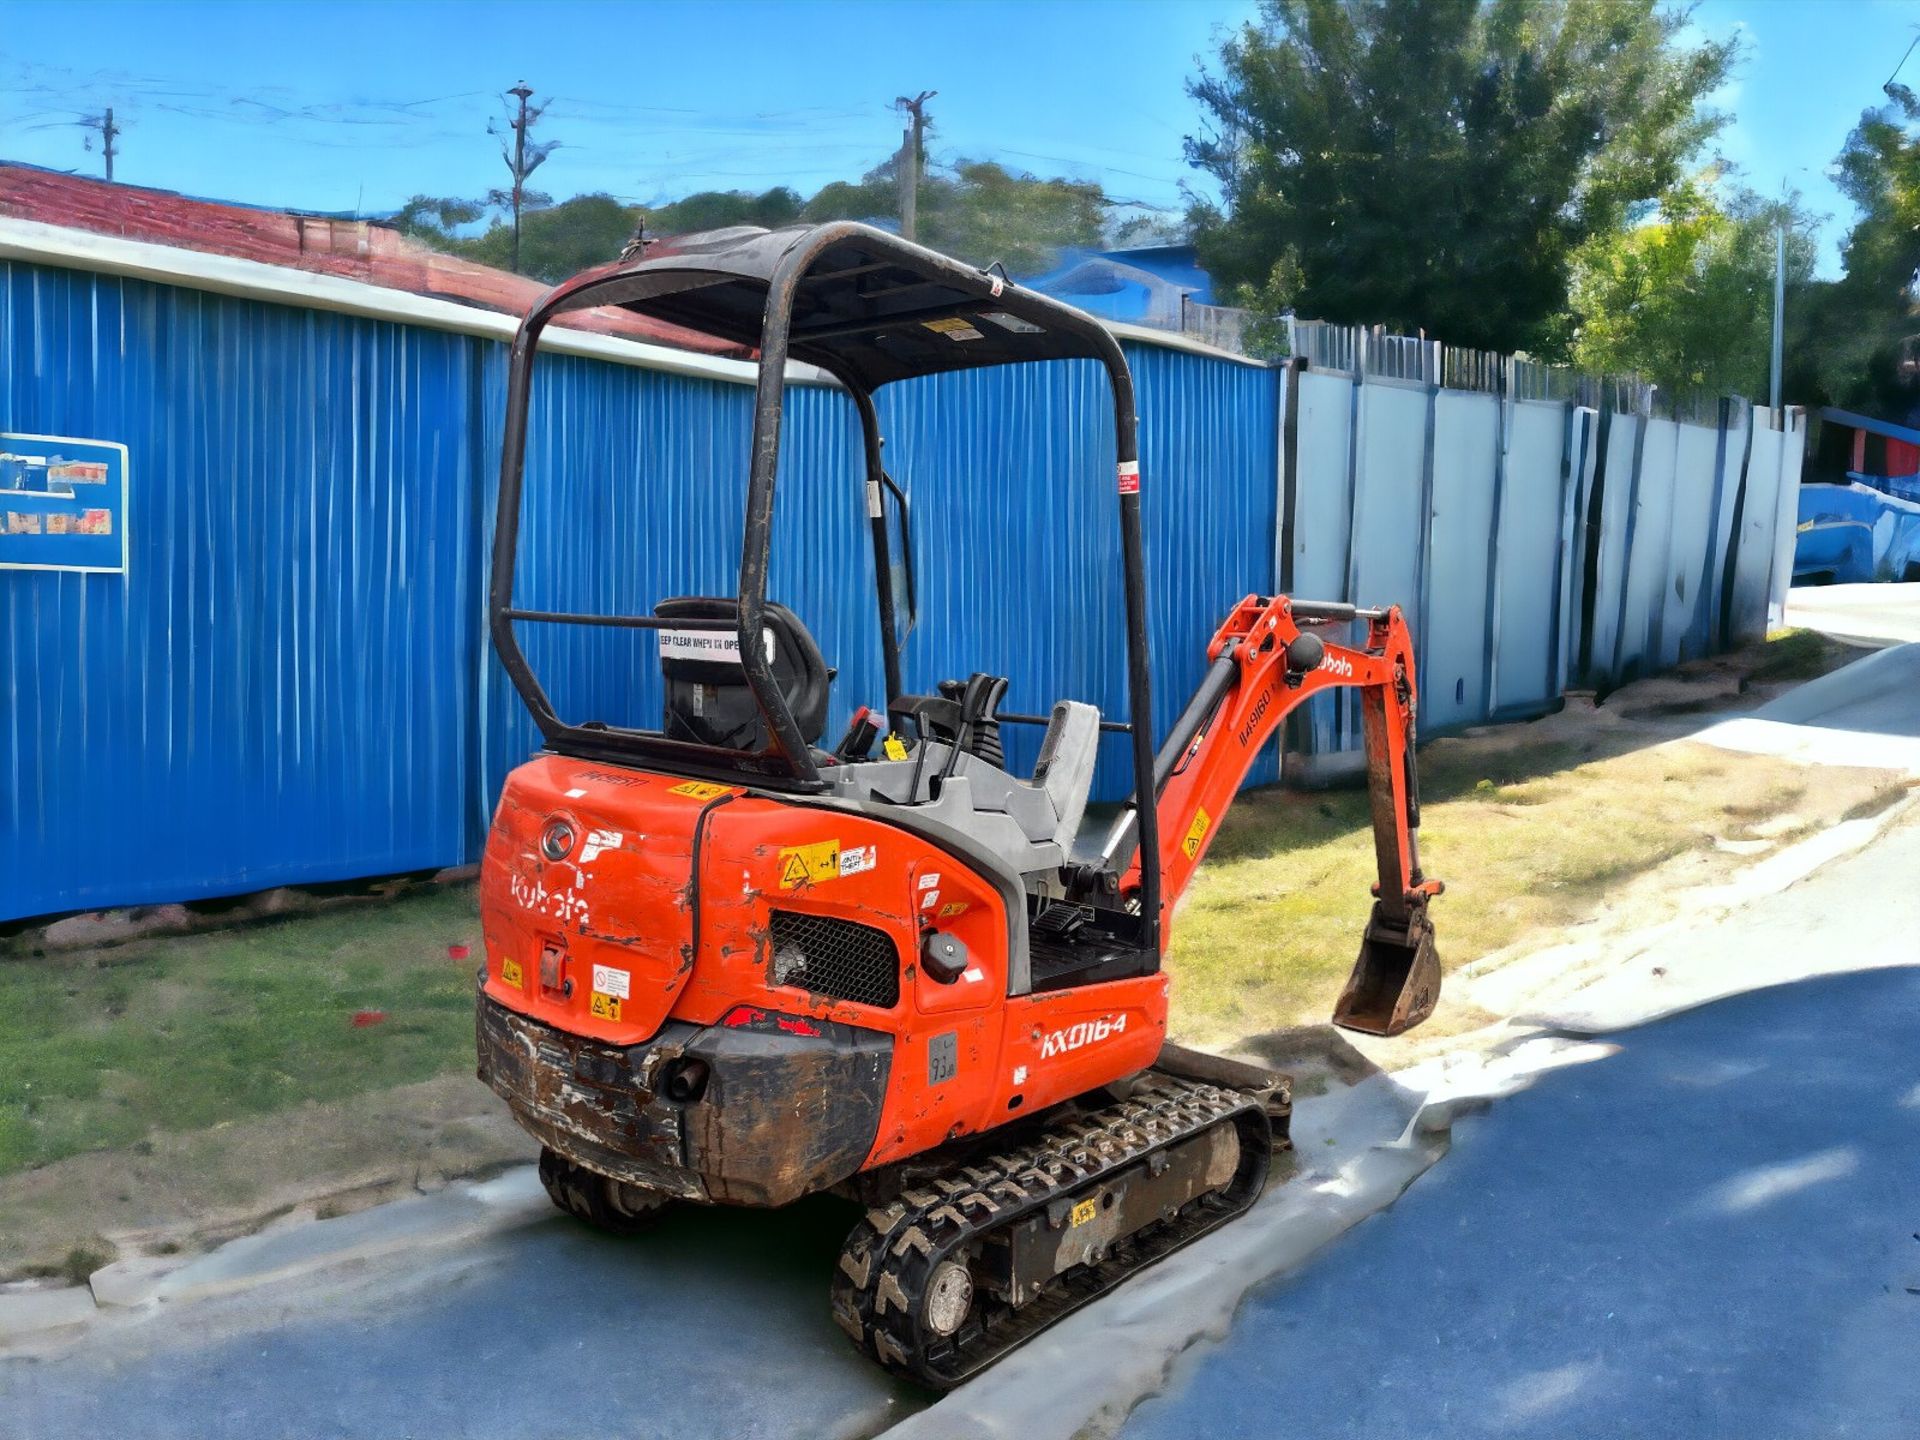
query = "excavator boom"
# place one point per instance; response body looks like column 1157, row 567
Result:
column 1269, row 658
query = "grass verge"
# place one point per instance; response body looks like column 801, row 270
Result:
column 101, row 1049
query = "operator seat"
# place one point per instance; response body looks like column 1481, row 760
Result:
column 708, row 700
column 1029, row 825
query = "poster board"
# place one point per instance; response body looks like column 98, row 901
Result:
column 63, row 504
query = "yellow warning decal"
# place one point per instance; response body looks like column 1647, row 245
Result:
column 604, row 1007
column 700, row 790
column 1196, row 832
column 809, row 864
column 510, row 974
column 952, row 908
column 894, row 748
column 1084, row 1211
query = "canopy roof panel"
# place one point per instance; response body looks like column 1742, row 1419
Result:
column 868, row 307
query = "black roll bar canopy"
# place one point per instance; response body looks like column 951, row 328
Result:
column 868, row 308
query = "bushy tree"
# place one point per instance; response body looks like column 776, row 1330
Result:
column 718, row 209
column 435, row 218
column 978, row 211
column 1847, row 338
column 1434, row 164
column 1685, row 299
column 560, row 240
column 555, row 240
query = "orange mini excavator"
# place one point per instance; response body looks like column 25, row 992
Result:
column 726, row 965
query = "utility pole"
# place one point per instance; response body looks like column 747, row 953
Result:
column 1779, row 309
column 109, row 132
column 522, row 158
column 912, row 158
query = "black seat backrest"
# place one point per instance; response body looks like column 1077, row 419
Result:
column 708, row 699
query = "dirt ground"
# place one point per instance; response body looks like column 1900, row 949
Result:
column 170, row 1093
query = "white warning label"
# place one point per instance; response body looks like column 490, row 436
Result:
column 714, row 647
column 609, row 981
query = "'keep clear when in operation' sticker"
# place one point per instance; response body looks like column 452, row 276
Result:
column 700, row 790
column 710, row 647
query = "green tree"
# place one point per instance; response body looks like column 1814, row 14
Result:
column 560, row 240
column 1846, row 338
column 718, row 209
column 555, row 240
column 1434, row 164
column 980, row 212
column 1686, row 299
column 435, row 218
column 983, row 213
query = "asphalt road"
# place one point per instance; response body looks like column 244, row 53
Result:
column 714, row 1325
column 1713, row 1232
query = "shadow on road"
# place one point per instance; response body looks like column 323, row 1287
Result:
column 1711, row 1233
column 716, row 1324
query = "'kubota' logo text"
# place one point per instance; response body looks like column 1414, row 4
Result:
column 1337, row 665
column 1087, row 1032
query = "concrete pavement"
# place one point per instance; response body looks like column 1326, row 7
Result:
column 1866, row 713
column 1881, row 614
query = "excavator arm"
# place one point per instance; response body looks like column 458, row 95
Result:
column 1267, row 659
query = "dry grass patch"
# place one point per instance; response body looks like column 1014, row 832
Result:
column 1533, row 827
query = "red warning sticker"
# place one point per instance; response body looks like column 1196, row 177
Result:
column 1129, row 477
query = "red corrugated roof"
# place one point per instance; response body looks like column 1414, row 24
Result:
column 352, row 249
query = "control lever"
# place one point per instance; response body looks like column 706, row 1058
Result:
column 857, row 743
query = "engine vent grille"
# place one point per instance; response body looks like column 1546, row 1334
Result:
column 835, row 958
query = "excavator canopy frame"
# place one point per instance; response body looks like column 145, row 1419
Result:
column 868, row 308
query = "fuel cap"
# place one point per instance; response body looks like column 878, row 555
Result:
column 944, row 956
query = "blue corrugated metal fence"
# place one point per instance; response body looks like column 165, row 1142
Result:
column 292, row 682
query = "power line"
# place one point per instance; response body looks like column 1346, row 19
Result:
column 1888, row 87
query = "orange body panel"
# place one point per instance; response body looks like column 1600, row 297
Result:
column 631, row 909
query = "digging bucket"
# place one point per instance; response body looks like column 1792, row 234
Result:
column 1396, row 981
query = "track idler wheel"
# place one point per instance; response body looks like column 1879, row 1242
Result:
column 1396, row 981
column 604, row 1203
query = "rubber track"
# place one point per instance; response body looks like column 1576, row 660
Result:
column 891, row 1254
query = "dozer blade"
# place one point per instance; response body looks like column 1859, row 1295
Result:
column 1396, row 981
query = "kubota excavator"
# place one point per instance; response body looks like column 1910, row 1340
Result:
column 727, row 965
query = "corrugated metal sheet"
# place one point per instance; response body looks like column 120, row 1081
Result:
column 293, row 682
column 1020, row 462
column 279, row 690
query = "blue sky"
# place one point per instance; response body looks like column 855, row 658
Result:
column 345, row 105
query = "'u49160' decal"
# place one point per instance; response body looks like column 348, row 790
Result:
column 1087, row 1032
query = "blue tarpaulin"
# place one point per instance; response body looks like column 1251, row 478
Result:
column 1852, row 533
